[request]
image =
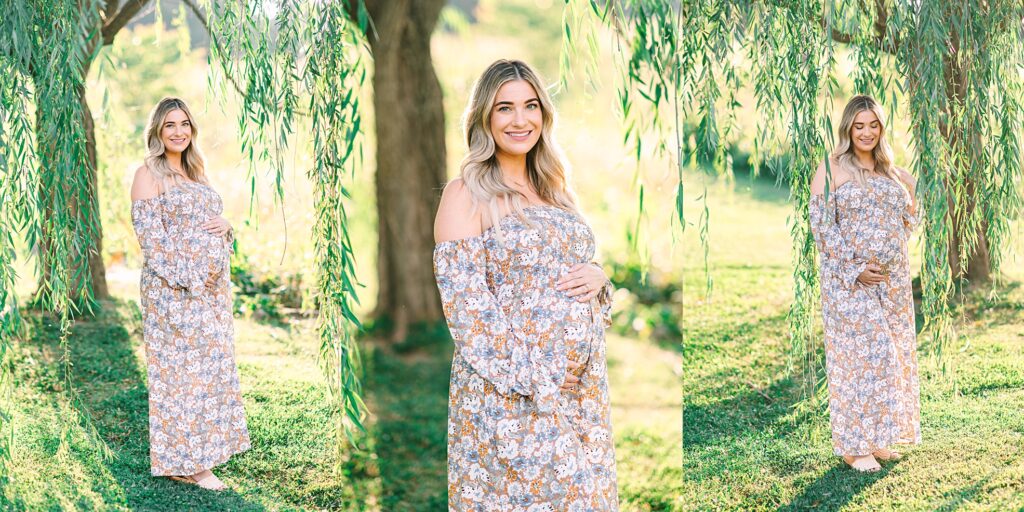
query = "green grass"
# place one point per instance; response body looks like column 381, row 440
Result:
column 57, row 465
column 746, row 449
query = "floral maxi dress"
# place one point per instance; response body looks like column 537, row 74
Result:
column 870, row 340
column 516, row 442
column 196, row 419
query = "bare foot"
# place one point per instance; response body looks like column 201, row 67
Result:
column 884, row 454
column 862, row 463
column 205, row 479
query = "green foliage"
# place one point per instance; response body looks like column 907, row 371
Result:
column 45, row 49
column 314, row 53
column 647, row 304
column 264, row 297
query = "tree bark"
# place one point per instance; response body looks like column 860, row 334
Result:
column 97, row 271
column 410, row 159
column 977, row 269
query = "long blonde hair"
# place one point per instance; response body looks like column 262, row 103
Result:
column 882, row 153
column 192, row 161
column 546, row 168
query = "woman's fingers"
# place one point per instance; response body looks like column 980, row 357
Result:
column 571, row 380
column 568, row 281
column 568, row 285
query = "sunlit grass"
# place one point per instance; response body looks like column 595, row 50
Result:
column 746, row 450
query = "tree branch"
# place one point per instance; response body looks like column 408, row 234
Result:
column 113, row 24
column 880, row 25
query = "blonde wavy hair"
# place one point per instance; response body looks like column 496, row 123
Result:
column 844, row 153
column 192, row 161
column 546, row 168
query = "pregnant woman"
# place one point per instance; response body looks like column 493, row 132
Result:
column 862, row 211
column 528, row 412
column 196, row 419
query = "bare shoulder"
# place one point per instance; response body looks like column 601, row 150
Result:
column 828, row 172
column 455, row 216
column 144, row 185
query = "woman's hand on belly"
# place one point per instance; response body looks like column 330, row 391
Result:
column 571, row 380
column 216, row 225
column 583, row 281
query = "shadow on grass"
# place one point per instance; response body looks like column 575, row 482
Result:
column 833, row 490
column 110, row 384
column 408, row 392
column 717, row 431
column 713, row 430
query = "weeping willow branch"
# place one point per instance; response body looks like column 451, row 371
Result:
column 333, row 68
column 45, row 51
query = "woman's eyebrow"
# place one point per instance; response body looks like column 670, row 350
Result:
column 531, row 100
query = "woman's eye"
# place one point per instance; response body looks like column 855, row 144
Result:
column 503, row 109
column 532, row 106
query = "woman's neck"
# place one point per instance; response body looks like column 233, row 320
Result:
column 865, row 158
column 174, row 160
column 513, row 168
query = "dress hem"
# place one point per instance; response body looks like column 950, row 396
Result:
column 242, row 449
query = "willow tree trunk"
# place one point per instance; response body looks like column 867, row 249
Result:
column 83, row 215
column 410, row 159
column 97, row 271
column 977, row 268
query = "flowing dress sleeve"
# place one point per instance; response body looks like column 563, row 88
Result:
column 909, row 221
column 160, row 253
column 837, row 256
column 513, row 361
column 604, row 299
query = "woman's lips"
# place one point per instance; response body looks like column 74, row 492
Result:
column 519, row 135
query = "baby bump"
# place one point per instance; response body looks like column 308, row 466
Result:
column 571, row 322
column 209, row 249
column 883, row 249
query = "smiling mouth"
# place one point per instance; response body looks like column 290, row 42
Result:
column 178, row 141
column 519, row 135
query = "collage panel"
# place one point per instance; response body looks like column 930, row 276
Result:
column 354, row 255
column 852, row 338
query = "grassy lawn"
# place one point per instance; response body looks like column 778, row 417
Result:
column 291, row 465
column 745, row 451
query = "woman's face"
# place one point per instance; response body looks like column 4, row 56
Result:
column 176, row 132
column 516, row 118
column 866, row 131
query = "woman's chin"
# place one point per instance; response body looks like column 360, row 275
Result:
column 517, row 148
